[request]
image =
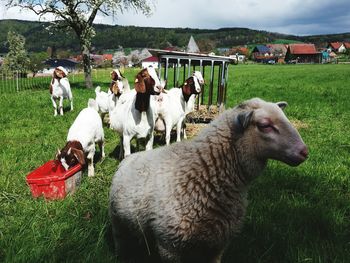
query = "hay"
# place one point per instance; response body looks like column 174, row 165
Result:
column 203, row 114
column 192, row 129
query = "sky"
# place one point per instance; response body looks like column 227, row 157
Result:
column 297, row 17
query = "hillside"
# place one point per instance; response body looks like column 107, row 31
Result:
column 38, row 37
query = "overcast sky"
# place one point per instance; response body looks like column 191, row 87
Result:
column 298, row 17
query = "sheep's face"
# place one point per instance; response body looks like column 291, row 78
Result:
column 71, row 154
column 273, row 136
column 147, row 81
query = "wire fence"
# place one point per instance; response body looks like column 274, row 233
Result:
column 21, row 81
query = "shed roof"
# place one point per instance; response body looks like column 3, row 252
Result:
column 302, row 49
column 185, row 57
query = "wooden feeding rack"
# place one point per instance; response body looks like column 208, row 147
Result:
column 184, row 63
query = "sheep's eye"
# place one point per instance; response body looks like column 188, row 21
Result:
column 265, row 127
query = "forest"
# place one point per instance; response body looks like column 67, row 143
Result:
column 112, row 37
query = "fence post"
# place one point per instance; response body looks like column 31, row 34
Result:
column 17, row 86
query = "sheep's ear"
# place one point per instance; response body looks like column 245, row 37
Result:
column 140, row 86
column 244, row 118
column 282, row 104
column 79, row 154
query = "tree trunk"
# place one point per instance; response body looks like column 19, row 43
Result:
column 87, row 65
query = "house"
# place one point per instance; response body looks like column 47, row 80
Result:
column 240, row 50
column 261, row 53
column 192, row 46
column 337, row 47
column 347, row 45
column 278, row 50
column 53, row 63
column 150, row 61
column 303, row 53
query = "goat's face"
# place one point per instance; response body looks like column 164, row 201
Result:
column 71, row 154
column 147, row 81
column 199, row 76
column 191, row 86
column 117, row 87
column 59, row 73
column 116, row 75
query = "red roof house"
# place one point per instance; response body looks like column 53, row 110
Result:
column 302, row 53
column 347, row 45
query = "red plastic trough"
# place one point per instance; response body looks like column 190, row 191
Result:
column 53, row 181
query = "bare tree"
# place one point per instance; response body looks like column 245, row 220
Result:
column 79, row 15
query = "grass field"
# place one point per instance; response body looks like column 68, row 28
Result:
column 297, row 214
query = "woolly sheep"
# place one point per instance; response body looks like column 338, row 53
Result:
column 185, row 202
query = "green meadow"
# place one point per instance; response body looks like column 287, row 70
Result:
column 295, row 214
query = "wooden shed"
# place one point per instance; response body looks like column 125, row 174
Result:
column 303, row 53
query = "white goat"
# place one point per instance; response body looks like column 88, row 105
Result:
column 136, row 112
column 173, row 107
column 60, row 89
column 106, row 101
column 85, row 131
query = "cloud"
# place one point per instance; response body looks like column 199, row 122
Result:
column 299, row 17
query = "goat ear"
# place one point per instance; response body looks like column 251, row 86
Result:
column 140, row 86
column 244, row 118
column 79, row 154
column 282, row 104
column 58, row 153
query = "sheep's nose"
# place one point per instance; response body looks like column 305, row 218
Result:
column 304, row 152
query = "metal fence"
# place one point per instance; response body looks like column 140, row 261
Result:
column 21, row 81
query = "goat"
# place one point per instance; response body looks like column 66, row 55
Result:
column 60, row 89
column 173, row 107
column 106, row 101
column 135, row 113
column 85, row 131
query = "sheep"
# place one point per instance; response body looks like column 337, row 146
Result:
column 85, row 131
column 60, row 89
column 173, row 105
column 135, row 112
column 185, row 202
